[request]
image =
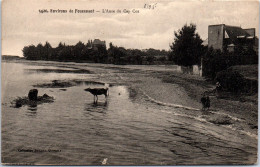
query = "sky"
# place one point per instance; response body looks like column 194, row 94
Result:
column 23, row 24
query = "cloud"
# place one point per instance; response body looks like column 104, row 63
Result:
column 22, row 24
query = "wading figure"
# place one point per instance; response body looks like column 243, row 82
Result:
column 203, row 101
column 207, row 104
column 97, row 91
column 218, row 86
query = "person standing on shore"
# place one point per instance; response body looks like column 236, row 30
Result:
column 218, row 89
column 203, row 101
column 207, row 104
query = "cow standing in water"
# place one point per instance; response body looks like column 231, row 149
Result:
column 97, row 91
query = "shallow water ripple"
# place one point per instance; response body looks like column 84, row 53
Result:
column 120, row 130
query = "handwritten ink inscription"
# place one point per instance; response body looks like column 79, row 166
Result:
column 150, row 6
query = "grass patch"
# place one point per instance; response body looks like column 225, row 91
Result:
column 248, row 71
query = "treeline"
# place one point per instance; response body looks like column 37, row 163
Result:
column 98, row 54
column 10, row 57
column 64, row 52
column 120, row 55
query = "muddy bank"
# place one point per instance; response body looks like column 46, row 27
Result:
column 243, row 107
column 217, row 119
column 56, row 84
column 66, row 84
column 77, row 71
column 175, row 89
column 195, row 87
column 21, row 101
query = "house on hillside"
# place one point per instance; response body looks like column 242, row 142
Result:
column 225, row 37
column 97, row 43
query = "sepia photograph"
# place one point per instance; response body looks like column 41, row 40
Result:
column 127, row 82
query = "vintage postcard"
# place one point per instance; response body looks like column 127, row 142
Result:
column 127, row 82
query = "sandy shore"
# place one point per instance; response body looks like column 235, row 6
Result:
column 164, row 85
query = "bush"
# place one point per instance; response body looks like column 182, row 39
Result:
column 231, row 81
column 251, row 86
column 215, row 61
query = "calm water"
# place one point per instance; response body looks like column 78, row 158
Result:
column 125, row 130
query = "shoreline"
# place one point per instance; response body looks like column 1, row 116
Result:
column 164, row 85
column 147, row 101
column 177, row 89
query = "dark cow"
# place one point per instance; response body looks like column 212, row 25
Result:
column 97, row 91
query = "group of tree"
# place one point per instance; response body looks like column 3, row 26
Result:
column 120, row 55
column 86, row 53
column 64, row 52
column 186, row 50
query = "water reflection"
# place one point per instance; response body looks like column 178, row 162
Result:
column 31, row 112
column 32, row 106
column 99, row 107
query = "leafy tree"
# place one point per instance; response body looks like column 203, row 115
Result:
column 40, row 51
column 29, row 52
column 213, row 62
column 47, row 51
column 187, row 47
column 135, row 56
column 57, row 51
column 77, row 51
column 150, row 59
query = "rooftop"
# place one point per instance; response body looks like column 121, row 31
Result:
column 98, row 42
column 235, row 32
